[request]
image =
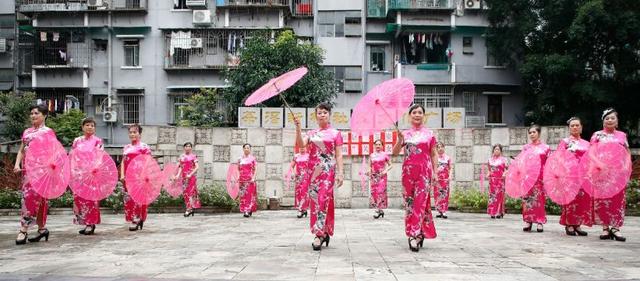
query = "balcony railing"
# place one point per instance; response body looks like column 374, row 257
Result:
column 420, row 4
column 252, row 3
column 65, row 55
column 31, row 6
column 302, row 8
column 376, row 9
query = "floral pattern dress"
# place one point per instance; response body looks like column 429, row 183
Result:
column 248, row 190
column 441, row 191
column 610, row 211
column 579, row 211
column 378, row 198
column 417, row 181
column 533, row 203
column 134, row 212
column 323, row 144
column 87, row 212
column 190, row 193
column 301, row 179
column 32, row 203
column 497, row 168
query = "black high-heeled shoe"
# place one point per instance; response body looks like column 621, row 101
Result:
column 606, row 236
column 421, row 240
column 133, row 227
column 41, row 235
column 444, row 216
column 190, row 213
column 615, row 236
column 417, row 247
column 570, row 232
column 378, row 214
column 527, row 228
column 23, row 240
column 493, row 217
column 140, row 225
column 301, row 214
column 245, row 214
column 91, row 228
column 319, row 246
column 539, row 228
column 580, row 232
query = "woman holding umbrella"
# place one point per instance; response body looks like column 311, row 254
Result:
column 533, row 203
column 325, row 163
column 441, row 192
column 380, row 164
column 303, row 175
column 134, row 213
column 578, row 212
column 497, row 167
column 248, row 190
column 418, row 174
column 34, row 207
column 87, row 212
column 188, row 168
column 610, row 212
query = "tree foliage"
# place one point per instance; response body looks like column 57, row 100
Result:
column 203, row 109
column 15, row 111
column 67, row 125
column 576, row 57
column 262, row 60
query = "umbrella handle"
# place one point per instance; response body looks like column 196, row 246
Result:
column 286, row 104
column 395, row 125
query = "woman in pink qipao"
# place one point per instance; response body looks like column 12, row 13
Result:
column 579, row 211
column 134, row 213
column 325, row 163
column 87, row 212
column 248, row 190
column 533, row 203
column 188, row 168
column 380, row 164
column 496, row 175
column 610, row 212
column 34, row 207
column 441, row 190
column 300, row 163
column 418, row 176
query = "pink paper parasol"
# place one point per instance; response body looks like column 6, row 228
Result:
column 144, row 179
column 383, row 106
column 522, row 174
column 233, row 181
column 276, row 86
column 94, row 175
column 172, row 186
column 608, row 168
column 563, row 177
column 47, row 167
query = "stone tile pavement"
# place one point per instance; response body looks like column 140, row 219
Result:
column 274, row 245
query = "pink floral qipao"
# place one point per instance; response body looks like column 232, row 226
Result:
column 32, row 203
column 322, row 163
column 441, row 191
column 87, row 212
column 416, row 179
column 579, row 211
column 379, row 180
column 497, row 168
column 533, row 203
column 190, row 194
column 302, row 177
column 134, row 212
column 248, row 190
column 610, row 211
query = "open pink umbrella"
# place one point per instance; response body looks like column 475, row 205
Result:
column 608, row 168
column 276, row 86
column 94, row 175
column 47, row 167
column 233, row 181
column 522, row 174
column 383, row 106
column 563, row 177
column 172, row 186
column 144, row 179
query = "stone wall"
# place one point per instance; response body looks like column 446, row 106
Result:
column 273, row 148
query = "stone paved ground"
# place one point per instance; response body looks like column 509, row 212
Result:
column 274, row 245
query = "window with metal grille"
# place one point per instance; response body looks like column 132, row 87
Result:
column 176, row 102
column 469, row 102
column 131, row 108
column 60, row 100
column 180, row 4
column 377, row 62
column 434, row 96
column 132, row 53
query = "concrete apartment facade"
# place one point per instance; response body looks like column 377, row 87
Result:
column 134, row 61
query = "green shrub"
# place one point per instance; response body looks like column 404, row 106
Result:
column 633, row 195
column 474, row 199
column 10, row 198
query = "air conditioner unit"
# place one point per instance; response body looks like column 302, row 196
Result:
column 201, row 17
column 109, row 117
column 196, row 42
column 472, row 4
column 3, row 45
column 94, row 3
column 196, row 3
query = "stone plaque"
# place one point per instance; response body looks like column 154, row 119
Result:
column 464, row 154
column 299, row 113
column 432, row 118
column 167, row 135
column 203, row 136
column 221, row 153
column 453, row 117
column 481, row 136
column 248, row 117
column 272, row 117
column 446, row 136
column 518, row 136
column 340, row 118
column 238, row 136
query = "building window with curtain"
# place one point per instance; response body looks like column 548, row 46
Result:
column 132, row 53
